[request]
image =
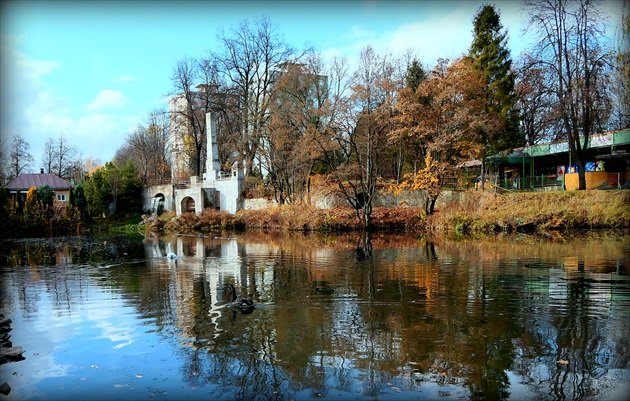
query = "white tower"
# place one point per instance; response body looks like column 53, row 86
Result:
column 179, row 162
column 213, row 167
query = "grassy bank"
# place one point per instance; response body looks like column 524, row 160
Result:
column 475, row 212
column 534, row 211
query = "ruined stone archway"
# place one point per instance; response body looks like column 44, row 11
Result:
column 157, row 203
column 188, row 205
column 165, row 199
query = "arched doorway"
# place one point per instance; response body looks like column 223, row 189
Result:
column 157, row 204
column 188, row 205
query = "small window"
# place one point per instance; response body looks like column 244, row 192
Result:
column 61, row 197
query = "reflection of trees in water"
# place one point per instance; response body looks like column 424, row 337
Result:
column 373, row 324
column 571, row 352
column 454, row 315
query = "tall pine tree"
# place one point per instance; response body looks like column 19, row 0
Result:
column 491, row 58
column 415, row 75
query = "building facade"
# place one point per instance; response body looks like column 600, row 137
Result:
column 215, row 189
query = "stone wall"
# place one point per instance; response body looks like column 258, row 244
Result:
column 229, row 193
column 386, row 199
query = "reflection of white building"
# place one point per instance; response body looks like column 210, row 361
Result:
column 218, row 260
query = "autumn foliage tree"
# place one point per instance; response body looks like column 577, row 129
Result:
column 296, row 113
column 443, row 115
column 410, row 148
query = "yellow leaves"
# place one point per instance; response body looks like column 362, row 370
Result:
column 31, row 195
column 427, row 178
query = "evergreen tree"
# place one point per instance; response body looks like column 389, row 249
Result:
column 80, row 201
column 415, row 75
column 97, row 193
column 130, row 197
column 491, row 58
column 5, row 197
column 45, row 195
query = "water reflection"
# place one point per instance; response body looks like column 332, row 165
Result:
column 350, row 317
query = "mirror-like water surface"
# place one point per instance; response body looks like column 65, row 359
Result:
column 392, row 317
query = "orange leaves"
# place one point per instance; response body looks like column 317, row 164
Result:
column 442, row 118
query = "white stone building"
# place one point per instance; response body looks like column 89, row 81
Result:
column 216, row 189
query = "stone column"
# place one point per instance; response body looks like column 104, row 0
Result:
column 212, row 161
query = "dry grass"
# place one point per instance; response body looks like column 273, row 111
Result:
column 308, row 218
column 540, row 211
column 476, row 212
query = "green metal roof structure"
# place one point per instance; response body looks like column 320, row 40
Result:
column 525, row 154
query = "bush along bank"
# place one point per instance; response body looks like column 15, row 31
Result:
column 474, row 213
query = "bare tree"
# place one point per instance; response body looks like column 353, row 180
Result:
column 225, row 106
column 355, row 142
column 147, row 147
column 571, row 48
column 188, row 110
column 621, row 76
column 3, row 163
column 20, row 160
column 124, row 154
column 59, row 157
column 48, row 160
column 65, row 155
column 253, row 56
column 536, row 102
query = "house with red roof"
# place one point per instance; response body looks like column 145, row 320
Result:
column 24, row 182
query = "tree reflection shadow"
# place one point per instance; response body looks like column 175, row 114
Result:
column 372, row 316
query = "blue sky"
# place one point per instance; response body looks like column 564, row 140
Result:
column 93, row 70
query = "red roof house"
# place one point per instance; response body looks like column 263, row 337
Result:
column 24, row 182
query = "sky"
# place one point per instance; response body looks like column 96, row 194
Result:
column 92, row 71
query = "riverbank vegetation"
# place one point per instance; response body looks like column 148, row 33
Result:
column 108, row 199
column 474, row 213
column 38, row 215
column 480, row 212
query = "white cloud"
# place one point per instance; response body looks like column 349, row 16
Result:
column 431, row 39
column 437, row 35
column 34, row 69
column 357, row 32
column 20, row 79
column 96, row 134
column 107, row 99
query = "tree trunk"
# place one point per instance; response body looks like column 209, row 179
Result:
column 432, row 205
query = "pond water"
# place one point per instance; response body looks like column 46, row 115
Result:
column 390, row 317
